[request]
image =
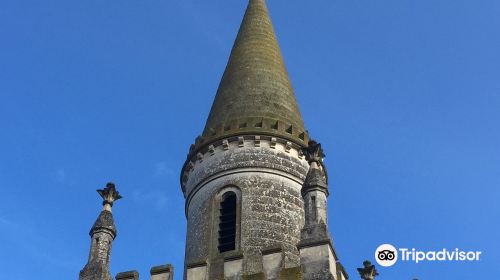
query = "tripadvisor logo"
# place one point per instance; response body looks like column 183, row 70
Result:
column 387, row 255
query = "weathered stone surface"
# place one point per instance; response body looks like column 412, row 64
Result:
column 236, row 157
column 95, row 271
column 341, row 273
column 257, row 276
column 268, row 182
column 105, row 221
column 233, row 269
column 102, row 233
column 127, row 275
column 314, row 233
column 318, row 262
column 255, row 94
column 196, row 273
column 271, row 214
column 255, row 146
column 315, row 180
column 162, row 272
column 97, row 267
column 293, row 273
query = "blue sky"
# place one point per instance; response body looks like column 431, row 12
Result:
column 404, row 95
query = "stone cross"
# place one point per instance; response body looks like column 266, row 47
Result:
column 368, row 272
column 314, row 152
column 109, row 195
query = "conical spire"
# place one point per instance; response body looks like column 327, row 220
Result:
column 255, row 94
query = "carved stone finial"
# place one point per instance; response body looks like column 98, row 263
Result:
column 109, row 194
column 314, row 152
column 368, row 272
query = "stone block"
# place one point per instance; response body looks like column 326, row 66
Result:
column 257, row 276
column 196, row 273
column 233, row 269
column 318, row 261
column 162, row 272
column 293, row 273
column 127, row 275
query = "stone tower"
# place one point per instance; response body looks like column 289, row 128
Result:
column 255, row 186
column 102, row 233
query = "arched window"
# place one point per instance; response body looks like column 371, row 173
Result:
column 227, row 223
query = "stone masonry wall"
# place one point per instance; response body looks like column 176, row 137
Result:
column 269, row 179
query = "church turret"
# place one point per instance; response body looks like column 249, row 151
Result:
column 251, row 192
column 102, row 233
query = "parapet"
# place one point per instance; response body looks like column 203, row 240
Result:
column 162, row 272
column 128, row 275
column 271, row 263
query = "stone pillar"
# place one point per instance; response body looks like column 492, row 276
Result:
column 315, row 207
column 317, row 254
column 315, row 193
column 162, row 272
column 103, row 233
column 128, row 275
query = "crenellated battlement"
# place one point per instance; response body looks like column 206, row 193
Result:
column 249, row 126
column 162, row 272
column 285, row 156
column 317, row 261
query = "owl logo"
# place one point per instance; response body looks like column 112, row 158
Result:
column 386, row 255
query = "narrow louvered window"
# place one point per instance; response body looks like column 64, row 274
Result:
column 314, row 208
column 227, row 223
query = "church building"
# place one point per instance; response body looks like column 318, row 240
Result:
column 254, row 182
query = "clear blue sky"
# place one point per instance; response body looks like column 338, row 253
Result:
column 404, row 95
